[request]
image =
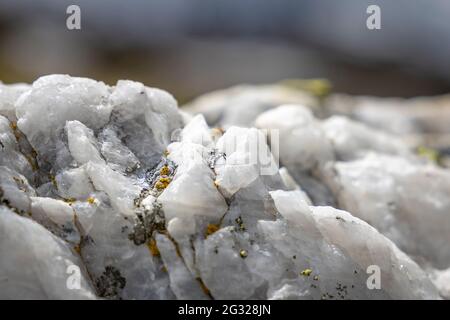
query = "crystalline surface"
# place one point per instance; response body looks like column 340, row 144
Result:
column 387, row 192
column 34, row 262
column 151, row 203
column 423, row 114
column 8, row 97
column 240, row 105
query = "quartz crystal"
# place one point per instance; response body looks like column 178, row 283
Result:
column 144, row 201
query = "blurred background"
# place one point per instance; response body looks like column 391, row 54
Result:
column 189, row 47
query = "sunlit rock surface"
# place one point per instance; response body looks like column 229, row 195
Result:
column 371, row 173
column 396, row 115
column 240, row 105
column 34, row 262
column 151, row 203
column 419, row 121
column 407, row 202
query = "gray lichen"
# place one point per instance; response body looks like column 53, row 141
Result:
column 146, row 222
column 110, row 283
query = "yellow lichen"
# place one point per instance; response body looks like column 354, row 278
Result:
column 91, row 200
column 428, row 153
column 53, row 180
column 70, row 201
column 210, row 229
column 318, row 87
column 307, row 272
column 153, row 248
column 165, row 180
column 77, row 248
column 162, row 183
column 165, row 171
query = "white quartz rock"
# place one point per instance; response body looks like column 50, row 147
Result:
column 178, row 227
column 185, row 154
column 74, row 183
column 8, row 96
column 43, row 110
column 35, row 264
column 182, row 282
column 306, row 142
column 244, row 158
column 359, row 246
column 421, row 121
column 82, row 143
column 192, row 191
column 57, row 216
column 84, row 147
column 240, row 105
column 395, row 115
column 15, row 191
column 143, row 118
column 248, row 206
column 153, row 204
column 149, row 117
column 307, row 145
column 441, row 279
column 302, row 141
column 407, row 202
column 290, row 292
column 306, row 253
column 121, row 190
column 221, row 268
column 118, row 156
column 197, row 131
column 119, row 268
column 10, row 153
column 351, row 139
column 291, row 185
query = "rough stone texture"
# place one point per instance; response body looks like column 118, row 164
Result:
column 34, row 262
column 240, row 105
column 151, row 203
column 419, row 121
column 372, row 174
column 409, row 203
